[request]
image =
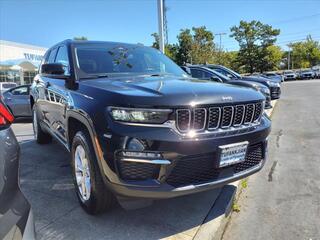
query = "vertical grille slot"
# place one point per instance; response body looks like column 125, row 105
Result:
column 199, row 118
column 183, row 119
column 249, row 113
column 214, row 118
column 238, row 115
column 227, row 115
column 258, row 111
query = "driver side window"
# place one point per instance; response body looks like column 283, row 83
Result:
column 62, row 57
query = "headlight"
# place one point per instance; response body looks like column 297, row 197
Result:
column 137, row 115
column 264, row 90
column 273, row 84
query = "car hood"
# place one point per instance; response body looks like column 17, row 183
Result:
column 251, row 84
column 262, row 80
column 168, row 91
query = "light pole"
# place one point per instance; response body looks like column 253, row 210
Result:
column 160, row 23
column 289, row 59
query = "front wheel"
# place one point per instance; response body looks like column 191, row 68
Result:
column 40, row 136
column 92, row 194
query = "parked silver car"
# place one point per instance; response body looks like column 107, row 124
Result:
column 306, row 74
column 273, row 76
column 18, row 101
column 16, row 219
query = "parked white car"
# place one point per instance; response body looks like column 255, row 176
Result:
column 289, row 75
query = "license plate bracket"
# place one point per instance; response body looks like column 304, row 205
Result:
column 231, row 154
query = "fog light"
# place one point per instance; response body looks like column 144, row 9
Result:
column 135, row 144
column 149, row 155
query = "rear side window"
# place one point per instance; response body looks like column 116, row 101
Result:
column 52, row 55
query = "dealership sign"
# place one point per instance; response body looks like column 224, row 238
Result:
column 32, row 57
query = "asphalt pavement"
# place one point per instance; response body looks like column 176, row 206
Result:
column 283, row 200
column 45, row 178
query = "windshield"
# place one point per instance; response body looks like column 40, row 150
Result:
column 225, row 71
column 220, row 75
column 288, row 72
column 110, row 59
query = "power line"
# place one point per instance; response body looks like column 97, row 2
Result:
column 295, row 19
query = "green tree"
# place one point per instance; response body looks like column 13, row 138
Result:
column 185, row 42
column 202, row 48
column 254, row 38
column 156, row 40
column 273, row 58
column 305, row 53
column 169, row 49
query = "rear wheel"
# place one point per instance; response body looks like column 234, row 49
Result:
column 40, row 136
column 91, row 191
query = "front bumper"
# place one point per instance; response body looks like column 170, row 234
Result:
column 290, row 77
column 193, row 161
column 275, row 92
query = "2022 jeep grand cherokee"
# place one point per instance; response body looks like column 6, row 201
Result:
column 138, row 127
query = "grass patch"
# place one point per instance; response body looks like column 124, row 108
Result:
column 235, row 207
column 244, row 183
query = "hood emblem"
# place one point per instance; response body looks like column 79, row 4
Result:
column 227, row 98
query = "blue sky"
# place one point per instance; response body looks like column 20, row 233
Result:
column 45, row 22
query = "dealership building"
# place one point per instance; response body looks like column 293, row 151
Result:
column 19, row 62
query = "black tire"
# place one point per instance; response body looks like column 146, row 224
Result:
column 101, row 199
column 40, row 136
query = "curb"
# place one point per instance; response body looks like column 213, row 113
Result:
column 218, row 217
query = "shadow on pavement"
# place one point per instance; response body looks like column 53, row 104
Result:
column 23, row 120
column 45, row 177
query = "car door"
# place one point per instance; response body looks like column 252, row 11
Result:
column 57, row 95
column 18, row 100
column 41, row 90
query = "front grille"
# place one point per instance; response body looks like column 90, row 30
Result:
column 212, row 118
column 138, row 171
column 201, row 168
column 253, row 157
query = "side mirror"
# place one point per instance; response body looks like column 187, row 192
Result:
column 56, row 70
column 216, row 79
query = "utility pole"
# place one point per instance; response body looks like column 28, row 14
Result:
column 220, row 44
column 160, row 23
column 289, row 59
column 165, row 23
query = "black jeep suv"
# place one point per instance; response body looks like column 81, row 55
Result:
column 138, row 127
